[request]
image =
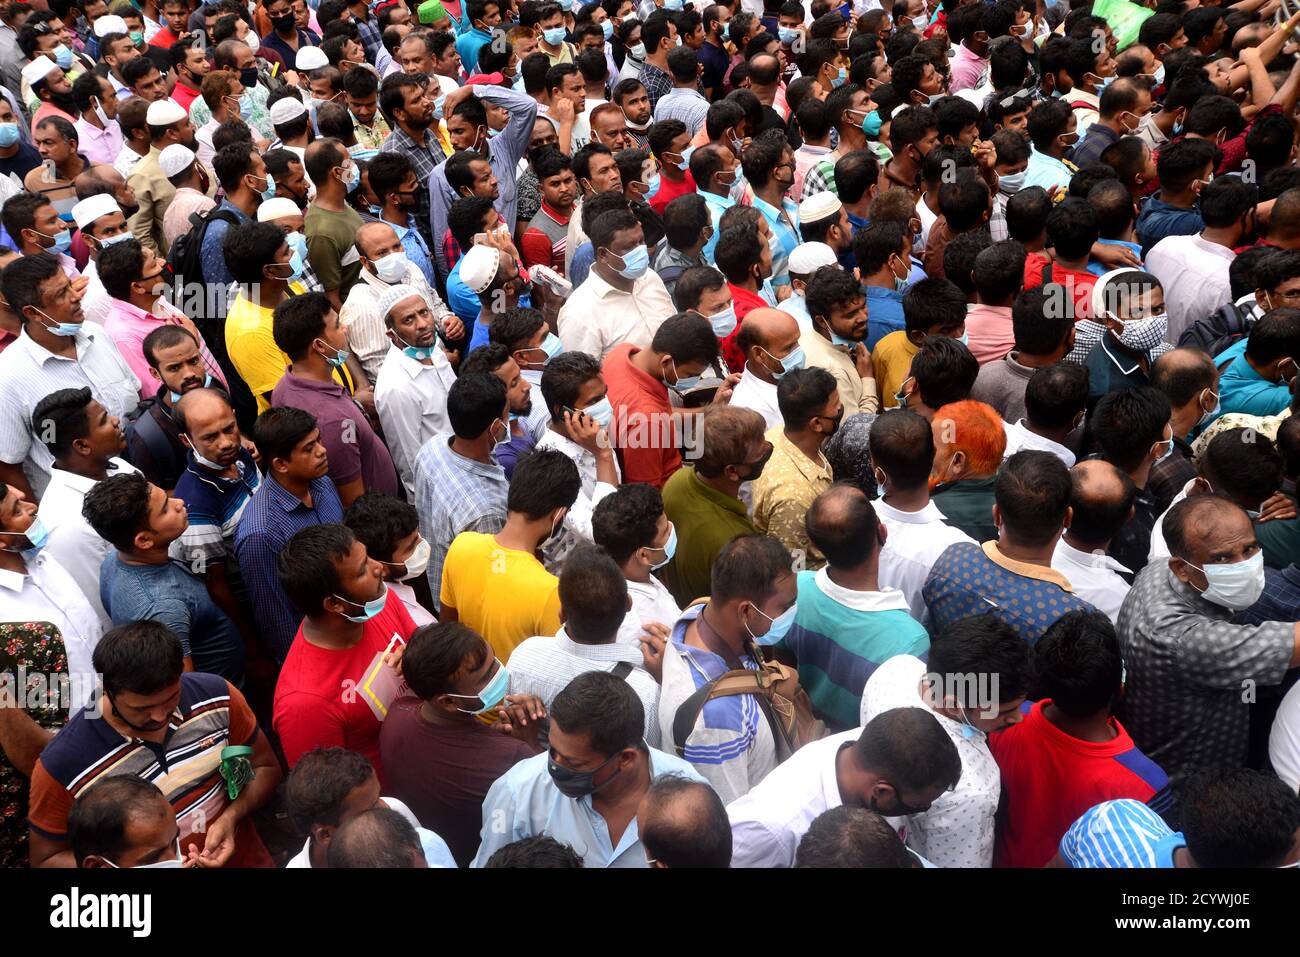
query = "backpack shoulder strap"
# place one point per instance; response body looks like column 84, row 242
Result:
column 740, row 681
column 155, row 440
column 621, row 670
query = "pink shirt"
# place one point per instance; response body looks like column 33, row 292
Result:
column 989, row 331
column 966, row 70
column 128, row 326
column 99, row 146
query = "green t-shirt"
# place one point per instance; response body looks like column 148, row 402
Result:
column 331, row 247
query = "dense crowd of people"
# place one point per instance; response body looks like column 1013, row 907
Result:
column 766, row 433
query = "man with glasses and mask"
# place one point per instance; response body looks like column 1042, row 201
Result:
column 898, row 765
column 974, row 681
column 586, row 790
column 1186, row 661
column 354, row 625
column 151, row 704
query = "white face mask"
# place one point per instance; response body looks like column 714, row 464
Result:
column 252, row 41
column 417, row 562
column 1236, row 586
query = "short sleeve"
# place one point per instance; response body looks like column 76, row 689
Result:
column 243, row 723
column 49, row 804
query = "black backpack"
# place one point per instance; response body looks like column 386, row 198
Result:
column 142, row 428
column 1227, row 325
column 184, row 259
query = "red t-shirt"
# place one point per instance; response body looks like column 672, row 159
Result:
column 669, row 191
column 1049, row 778
column 318, row 701
column 647, row 447
column 183, row 95
column 1079, row 283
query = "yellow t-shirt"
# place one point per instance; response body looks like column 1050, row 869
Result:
column 891, row 362
column 253, row 351
column 504, row 594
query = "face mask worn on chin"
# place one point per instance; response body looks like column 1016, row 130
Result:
column 492, row 692
column 1212, row 414
column 37, row 535
column 65, row 329
column 579, row 784
column 1236, row 586
column 780, row 625
column 339, row 358
column 370, row 608
column 176, row 397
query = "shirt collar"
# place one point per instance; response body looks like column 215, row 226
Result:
column 810, row 469
column 12, row 580
column 887, row 599
column 1024, row 569
column 1076, row 556
column 610, row 651
column 1124, row 364
column 925, row 516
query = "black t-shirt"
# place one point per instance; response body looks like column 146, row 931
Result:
column 22, row 162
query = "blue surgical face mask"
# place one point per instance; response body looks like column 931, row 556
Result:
column 840, row 78
column 685, row 164
column 669, row 549
column 871, row 123
column 246, row 105
column 787, row 35
column 652, row 187
column 724, row 322
column 1214, row 413
column 780, row 625
column 370, row 608
column 114, row 240
column 1102, row 83
column 37, row 535
column 8, row 135
column 552, row 346
column 965, row 339
column 1160, row 75
column 672, row 4
column 65, row 329
column 637, row 50
column 62, row 240
column 795, row 360
column 491, row 695
column 607, row 27
column 63, row 56
column 294, row 264
column 682, row 383
column 340, row 355
column 554, row 36
column 176, row 397
column 298, row 243
column 635, row 262
column 602, row 412
column 268, row 194
column 354, row 178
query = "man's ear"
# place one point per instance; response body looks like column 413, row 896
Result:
column 997, row 515
column 322, row 834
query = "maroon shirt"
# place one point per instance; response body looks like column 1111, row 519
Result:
column 443, row 774
column 353, row 448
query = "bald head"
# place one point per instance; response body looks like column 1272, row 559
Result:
column 379, row 837
column 1250, row 35
column 683, row 824
column 843, row 526
column 1183, row 375
column 768, row 329
column 1202, row 528
column 1102, row 499
column 374, row 237
column 199, row 406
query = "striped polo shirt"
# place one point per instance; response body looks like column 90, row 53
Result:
column 215, row 504
column 210, row 715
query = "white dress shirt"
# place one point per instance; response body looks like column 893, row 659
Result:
column 1019, row 438
column 436, row 852
column 651, row 602
column 1159, row 549
column 364, row 324
column 768, row 822
column 419, row 614
column 913, row 543
column 1284, row 740
column 1094, row 577
column 48, row 593
column 577, row 521
column 957, row 830
column 29, row 372
column 96, row 303
column 545, row 664
column 1194, row 274
column 598, row 317
column 72, row 542
column 751, row 392
column 411, row 397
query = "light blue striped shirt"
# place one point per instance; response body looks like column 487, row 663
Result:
column 1124, row 834
column 683, row 104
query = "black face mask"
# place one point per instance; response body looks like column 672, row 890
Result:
column 577, row 784
column 248, row 77
column 284, row 23
column 757, row 468
column 900, row 809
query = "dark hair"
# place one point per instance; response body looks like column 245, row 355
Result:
column 983, row 645
column 1088, row 176
column 909, row 749
column 842, row 525
column 99, row 817
column 62, row 416
column 1243, row 463
column 1077, row 664
column 1182, row 161
column 543, row 480
column 514, row 327
column 1227, row 200
column 999, row 272
column 748, row 567
column 1037, row 329
column 875, row 244
column 474, row 401
column 1027, row 213
column 851, row 837
column 1126, row 423
column 1032, row 491
column 1238, row 817
column 603, row 707
column 299, row 321
column 855, row 173
column 380, row 521
column 954, row 114
column 693, row 283
column 141, row 657
column 685, row 219
column 22, row 279
column 1072, row 228
column 627, row 520
column 540, row 850
column 436, row 653
column 686, row 337
column 902, row 444
column 1270, row 140
column 933, row 305
column 564, row 377
column 1056, row 394
column 278, row 431
column 737, row 252
column 249, row 247
column 118, row 509
column 803, row 393
column 593, row 595
column 686, row 825
column 1111, row 201
column 1184, row 374
column 945, row 371
column 307, row 566
column 1276, row 334
column 964, row 203
column 465, row 217
column 959, row 258
column 379, row 837
column 1047, row 121
column 829, row 287
column 318, row 785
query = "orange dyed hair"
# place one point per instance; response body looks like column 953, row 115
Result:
column 975, row 429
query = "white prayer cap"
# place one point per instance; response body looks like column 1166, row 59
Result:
column 479, row 267
column 164, row 112
column 806, row 258
column 311, row 58
column 391, row 296
column 819, row 206
column 278, row 208
column 109, row 23
column 174, row 159
column 89, row 210
column 38, row 69
column 287, row 110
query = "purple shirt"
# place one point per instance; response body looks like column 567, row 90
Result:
column 353, row 448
